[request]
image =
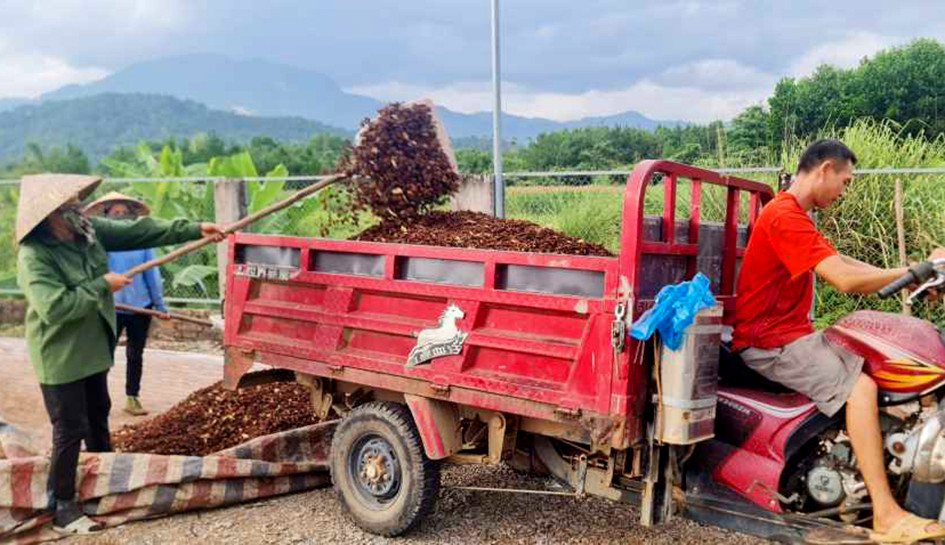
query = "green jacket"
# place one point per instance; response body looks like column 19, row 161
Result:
column 70, row 319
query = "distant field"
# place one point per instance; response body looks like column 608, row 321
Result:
column 590, row 213
column 593, row 212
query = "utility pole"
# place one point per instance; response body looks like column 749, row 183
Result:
column 499, row 183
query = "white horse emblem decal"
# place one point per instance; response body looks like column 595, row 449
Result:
column 445, row 340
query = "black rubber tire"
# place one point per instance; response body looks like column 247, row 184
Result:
column 419, row 476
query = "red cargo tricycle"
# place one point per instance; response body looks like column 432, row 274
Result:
column 434, row 355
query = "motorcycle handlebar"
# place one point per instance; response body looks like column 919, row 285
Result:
column 920, row 273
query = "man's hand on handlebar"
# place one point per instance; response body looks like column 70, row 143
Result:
column 928, row 274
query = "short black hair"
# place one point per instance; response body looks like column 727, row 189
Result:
column 824, row 150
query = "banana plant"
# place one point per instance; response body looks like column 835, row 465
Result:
column 259, row 194
column 9, row 196
column 171, row 199
column 167, row 199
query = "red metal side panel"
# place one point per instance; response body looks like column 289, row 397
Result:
column 543, row 347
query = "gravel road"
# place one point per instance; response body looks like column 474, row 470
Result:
column 469, row 518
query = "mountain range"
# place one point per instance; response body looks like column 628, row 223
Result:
column 258, row 88
column 99, row 123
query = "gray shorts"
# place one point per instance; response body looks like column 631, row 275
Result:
column 811, row 365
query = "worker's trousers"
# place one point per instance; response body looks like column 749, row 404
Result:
column 137, row 326
column 78, row 412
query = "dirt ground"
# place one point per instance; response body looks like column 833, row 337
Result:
column 466, row 517
column 316, row 517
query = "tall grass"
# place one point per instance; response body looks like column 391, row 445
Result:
column 593, row 213
column 863, row 223
column 590, row 215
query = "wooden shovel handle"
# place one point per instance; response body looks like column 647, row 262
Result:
column 235, row 226
column 159, row 314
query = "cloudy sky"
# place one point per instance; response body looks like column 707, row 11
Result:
column 690, row 60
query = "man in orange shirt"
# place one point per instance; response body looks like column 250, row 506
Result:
column 775, row 337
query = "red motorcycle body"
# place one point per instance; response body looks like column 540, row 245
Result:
column 759, row 431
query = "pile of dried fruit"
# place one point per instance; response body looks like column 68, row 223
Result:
column 214, row 419
column 405, row 172
column 406, row 167
column 477, row 230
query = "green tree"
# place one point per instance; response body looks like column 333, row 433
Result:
column 902, row 84
column 474, row 161
column 65, row 160
column 203, row 147
column 805, row 106
column 690, row 144
column 749, row 134
column 317, row 156
column 590, row 148
column 905, row 84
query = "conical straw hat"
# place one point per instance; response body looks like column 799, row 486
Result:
column 42, row 194
column 137, row 207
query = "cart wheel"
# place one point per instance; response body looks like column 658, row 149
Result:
column 380, row 471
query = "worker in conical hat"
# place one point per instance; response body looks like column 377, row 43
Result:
column 145, row 291
column 62, row 269
column 102, row 205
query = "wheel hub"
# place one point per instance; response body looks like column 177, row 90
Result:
column 377, row 469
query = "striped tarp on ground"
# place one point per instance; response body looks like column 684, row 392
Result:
column 116, row 488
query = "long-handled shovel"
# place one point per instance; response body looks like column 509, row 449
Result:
column 236, row 226
column 197, row 244
column 158, row 314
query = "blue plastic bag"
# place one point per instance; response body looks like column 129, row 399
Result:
column 675, row 309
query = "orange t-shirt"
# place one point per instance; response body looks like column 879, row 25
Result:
column 776, row 284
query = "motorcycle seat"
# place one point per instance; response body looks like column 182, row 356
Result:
column 734, row 373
